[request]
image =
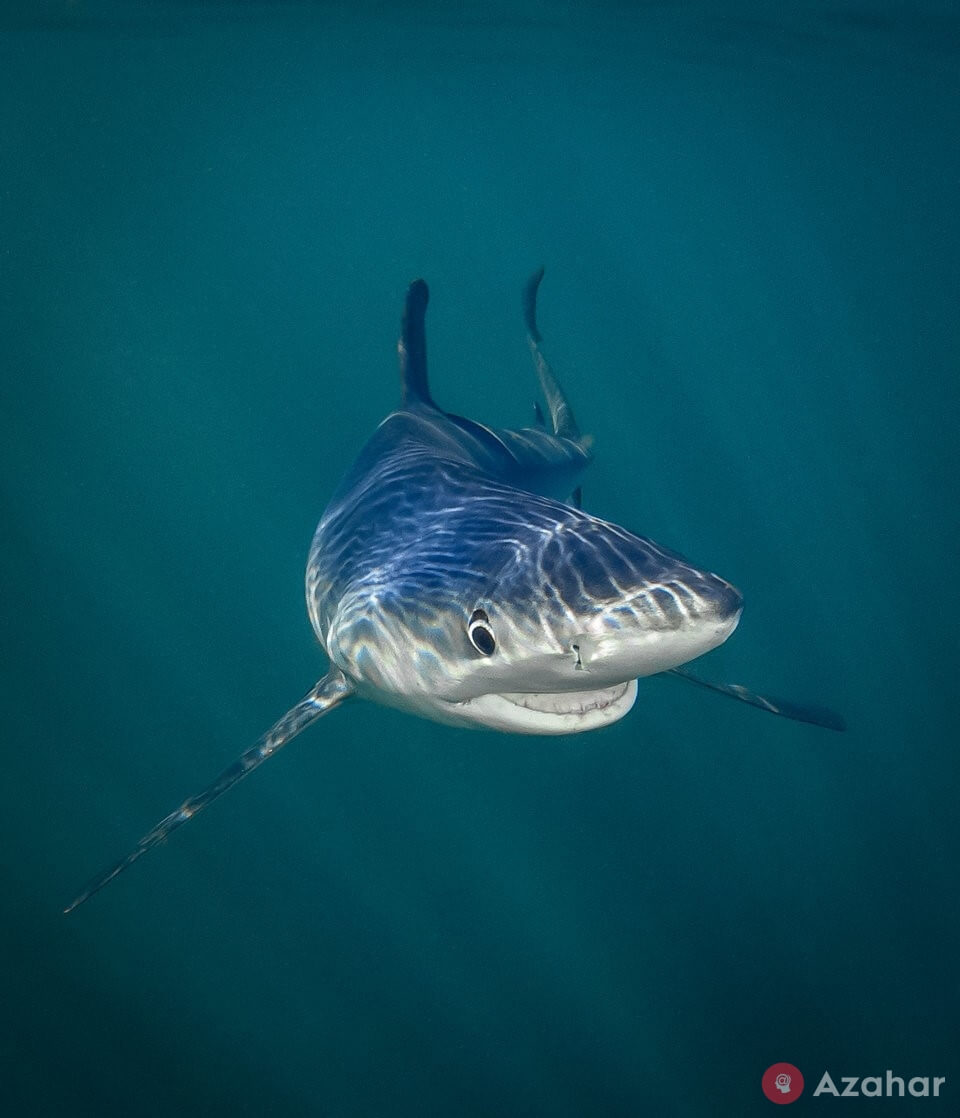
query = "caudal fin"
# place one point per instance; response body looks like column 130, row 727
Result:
column 561, row 414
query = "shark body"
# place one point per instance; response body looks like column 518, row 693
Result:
column 454, row 575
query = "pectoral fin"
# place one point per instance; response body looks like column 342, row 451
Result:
column 328, row 693
column 799, row 712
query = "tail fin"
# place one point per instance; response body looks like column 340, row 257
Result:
column 561, row 414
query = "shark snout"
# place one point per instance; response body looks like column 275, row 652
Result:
column 713, row 607
column 664, row 625
column 685, row 599
column 727, row 600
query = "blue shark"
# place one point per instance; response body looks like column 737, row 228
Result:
column 455, row 576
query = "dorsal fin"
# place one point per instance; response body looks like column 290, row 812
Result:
column 412, row 347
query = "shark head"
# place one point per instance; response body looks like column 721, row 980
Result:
column 543, row 630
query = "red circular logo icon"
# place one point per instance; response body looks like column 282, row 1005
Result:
column 782, row 1083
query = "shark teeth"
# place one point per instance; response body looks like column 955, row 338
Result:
column 545, row 712
column 567, row 702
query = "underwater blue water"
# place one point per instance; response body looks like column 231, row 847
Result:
column 209, row 213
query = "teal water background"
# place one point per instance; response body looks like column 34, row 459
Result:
column 208, row 216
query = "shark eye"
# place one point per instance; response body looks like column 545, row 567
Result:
column 480, row 634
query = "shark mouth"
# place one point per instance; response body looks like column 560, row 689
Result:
column 555, row 712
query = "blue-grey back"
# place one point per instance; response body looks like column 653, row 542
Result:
column 431, row 493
